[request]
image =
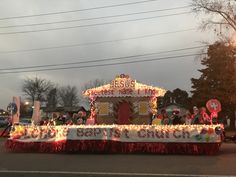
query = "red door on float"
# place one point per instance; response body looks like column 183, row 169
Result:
column 123, row 113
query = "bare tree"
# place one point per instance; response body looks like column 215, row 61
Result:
column 52, row 98
column 68, row 96
column 36, row 89
column 93, row 83
column 220, row 13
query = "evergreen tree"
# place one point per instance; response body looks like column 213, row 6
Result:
column 177, row 96
column 167, row 99
column 218, row 79
column 181, row 97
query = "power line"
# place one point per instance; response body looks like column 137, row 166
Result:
column 95, row 43
column 96, row 24
column 78, row 10
column 106, row 64
column 101, row 60
column 94, row 18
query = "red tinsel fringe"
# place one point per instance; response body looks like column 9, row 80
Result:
column 98, row 146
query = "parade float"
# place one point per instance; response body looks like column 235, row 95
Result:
column 120, row 122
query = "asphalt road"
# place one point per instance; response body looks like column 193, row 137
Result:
column 39, row 165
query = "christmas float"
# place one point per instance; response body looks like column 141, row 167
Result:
column 120, row 122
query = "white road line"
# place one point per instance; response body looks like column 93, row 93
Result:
column 108, row 173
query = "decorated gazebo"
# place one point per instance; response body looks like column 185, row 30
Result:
column 123, row 101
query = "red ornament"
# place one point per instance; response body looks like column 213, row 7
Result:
column 213, row 105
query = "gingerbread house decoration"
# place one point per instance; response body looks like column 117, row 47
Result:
column 123, row 101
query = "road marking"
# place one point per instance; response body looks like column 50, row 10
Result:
column 108, row 173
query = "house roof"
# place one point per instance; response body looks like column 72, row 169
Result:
column 124, row 86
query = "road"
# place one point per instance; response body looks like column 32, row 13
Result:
column 39, row 165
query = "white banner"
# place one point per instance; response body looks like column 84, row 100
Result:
column 121, row 133
column 36, row 118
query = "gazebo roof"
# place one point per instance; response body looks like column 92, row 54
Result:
column 124, row 86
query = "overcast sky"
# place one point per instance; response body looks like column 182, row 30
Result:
column 148, row 30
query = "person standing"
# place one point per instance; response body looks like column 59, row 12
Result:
column 196, row 118
column 188, row 118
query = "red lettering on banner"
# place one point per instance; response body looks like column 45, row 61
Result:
column 141, row 133
column 52, row 133
column 101, row 92
column 127, row 85
column 175, row 134
column 43, row 133
column 167, row 133
column 104, row 132
column 130, row 91
column 111, row 132
column 161, row 135
column 132, row 83
column 117, row 133
column 88, row 132
column 80, row 132
column 125, row 91
column 185, row 133
column 150, row 91
column 116, row 84
column 122, row 84
column 27, row 134
column 126, row 133
column 97, row 131
column 150, row 133
column 35, row 133
column 121, row 91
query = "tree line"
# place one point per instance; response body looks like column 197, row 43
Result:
column 53, row 95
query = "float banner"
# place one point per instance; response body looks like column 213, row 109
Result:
column 16, row 116
column 120, row 133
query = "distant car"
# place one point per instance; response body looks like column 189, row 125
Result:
column 25, row 121
column 3, row 121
